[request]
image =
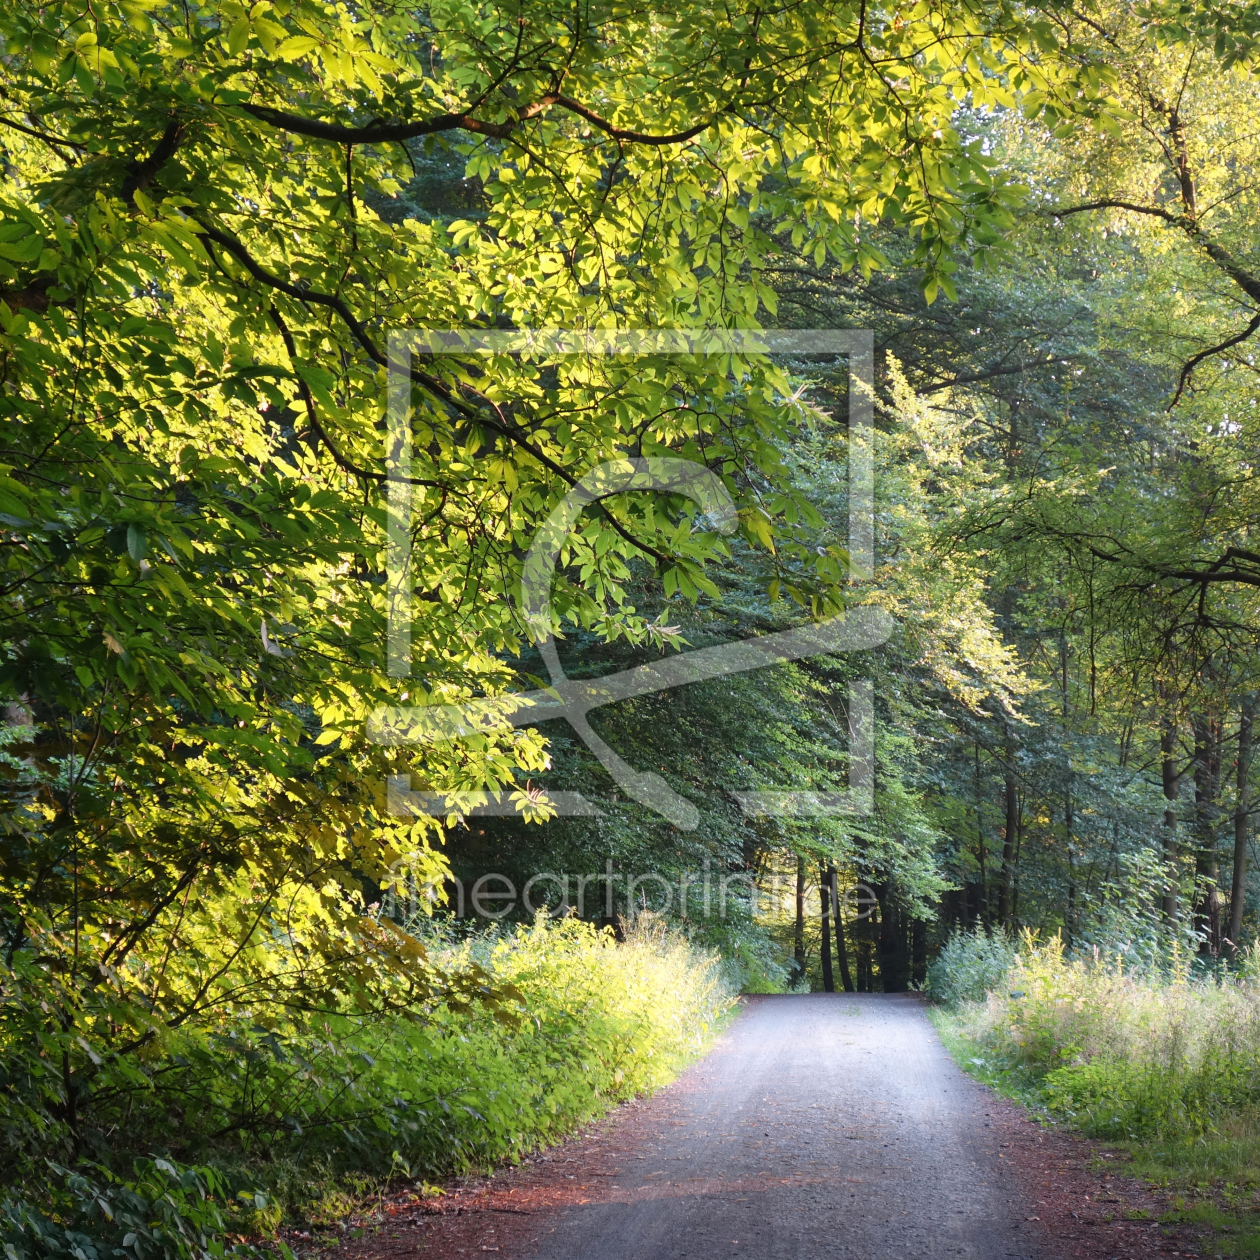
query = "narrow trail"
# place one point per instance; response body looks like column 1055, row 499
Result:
column 819, row 1126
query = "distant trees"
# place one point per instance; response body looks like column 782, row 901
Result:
column 1100, row 384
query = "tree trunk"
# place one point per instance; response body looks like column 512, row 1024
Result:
column 1172, row 790
column 1207, row 745
column 894, row 951
column 1068, row 823
column 1070, row 923
column 1019, row 845
column 1009, row 833
column 982, row 902
column 798, row 941
column 862, row 944
column 1242, row 800
column 918, row 951
column 829, row 983
column 842, row 948
column 1006, row 876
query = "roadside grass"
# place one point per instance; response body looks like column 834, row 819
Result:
column 306, row 1126
column 1164, row 1069
column 466, row 1090
column 1212, row 1179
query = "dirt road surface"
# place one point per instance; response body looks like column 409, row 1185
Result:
column 821, row 1125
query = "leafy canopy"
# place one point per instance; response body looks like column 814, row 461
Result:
column 199, row 267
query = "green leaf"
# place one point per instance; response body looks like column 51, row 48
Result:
column 25, row 251
column 296, row 47
column 238, row 37
column 137, row 543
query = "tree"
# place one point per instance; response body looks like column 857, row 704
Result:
column 200, row 257
column 1116, row 535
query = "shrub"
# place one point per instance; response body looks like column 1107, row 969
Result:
column 599, row 1022
column 311, row 1112
column 164, row 1213
column 970, row 964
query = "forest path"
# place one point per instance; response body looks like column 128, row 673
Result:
column 821, row 1125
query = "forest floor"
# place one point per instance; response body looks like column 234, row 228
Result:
column 820, row 1125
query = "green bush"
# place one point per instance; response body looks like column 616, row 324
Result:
column 163, row 1213
column 599, row 1022
column 1110, row 1098
column 970, row 964
column 316, row 1113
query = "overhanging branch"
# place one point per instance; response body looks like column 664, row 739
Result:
column 1188, row 223
column 386, row 133
column 971, row 378
column 1111, row 203
column 1193, row 363
column 436, row 387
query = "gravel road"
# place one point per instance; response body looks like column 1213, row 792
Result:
column 821, row 1125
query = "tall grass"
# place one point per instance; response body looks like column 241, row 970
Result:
column 1122, row 1053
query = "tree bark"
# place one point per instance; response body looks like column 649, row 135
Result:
column 862, row 947
column 1172, row 790
column 1019, row 845
column 982, row 902
column 1068, row 819
column 918, row 951
column 798, row 941
column 1009, row 833
column 1207, row 755
column 894, row 943
column 1242, row 801
column 1068, row 822
column 829, row 983
column 865, row 978
column 842, row 948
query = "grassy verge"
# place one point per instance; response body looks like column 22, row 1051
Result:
column 254, row 1125
column 1164, row 1069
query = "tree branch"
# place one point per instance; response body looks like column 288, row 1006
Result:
column 34, row 296
column 635, row 137
column 1189, row 224
column 1204, row 577
column 384, row 133
column 140, row 173
column 1111, row 203
column 972, row 377
column 1213, row 573
column 304, row 393
column 55, row 141
column 1207, row 354
column 297, row 292
column 436, row 387
column 375, row 132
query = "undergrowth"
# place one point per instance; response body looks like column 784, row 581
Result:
column 263, row 1121
column 1158, row 1061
